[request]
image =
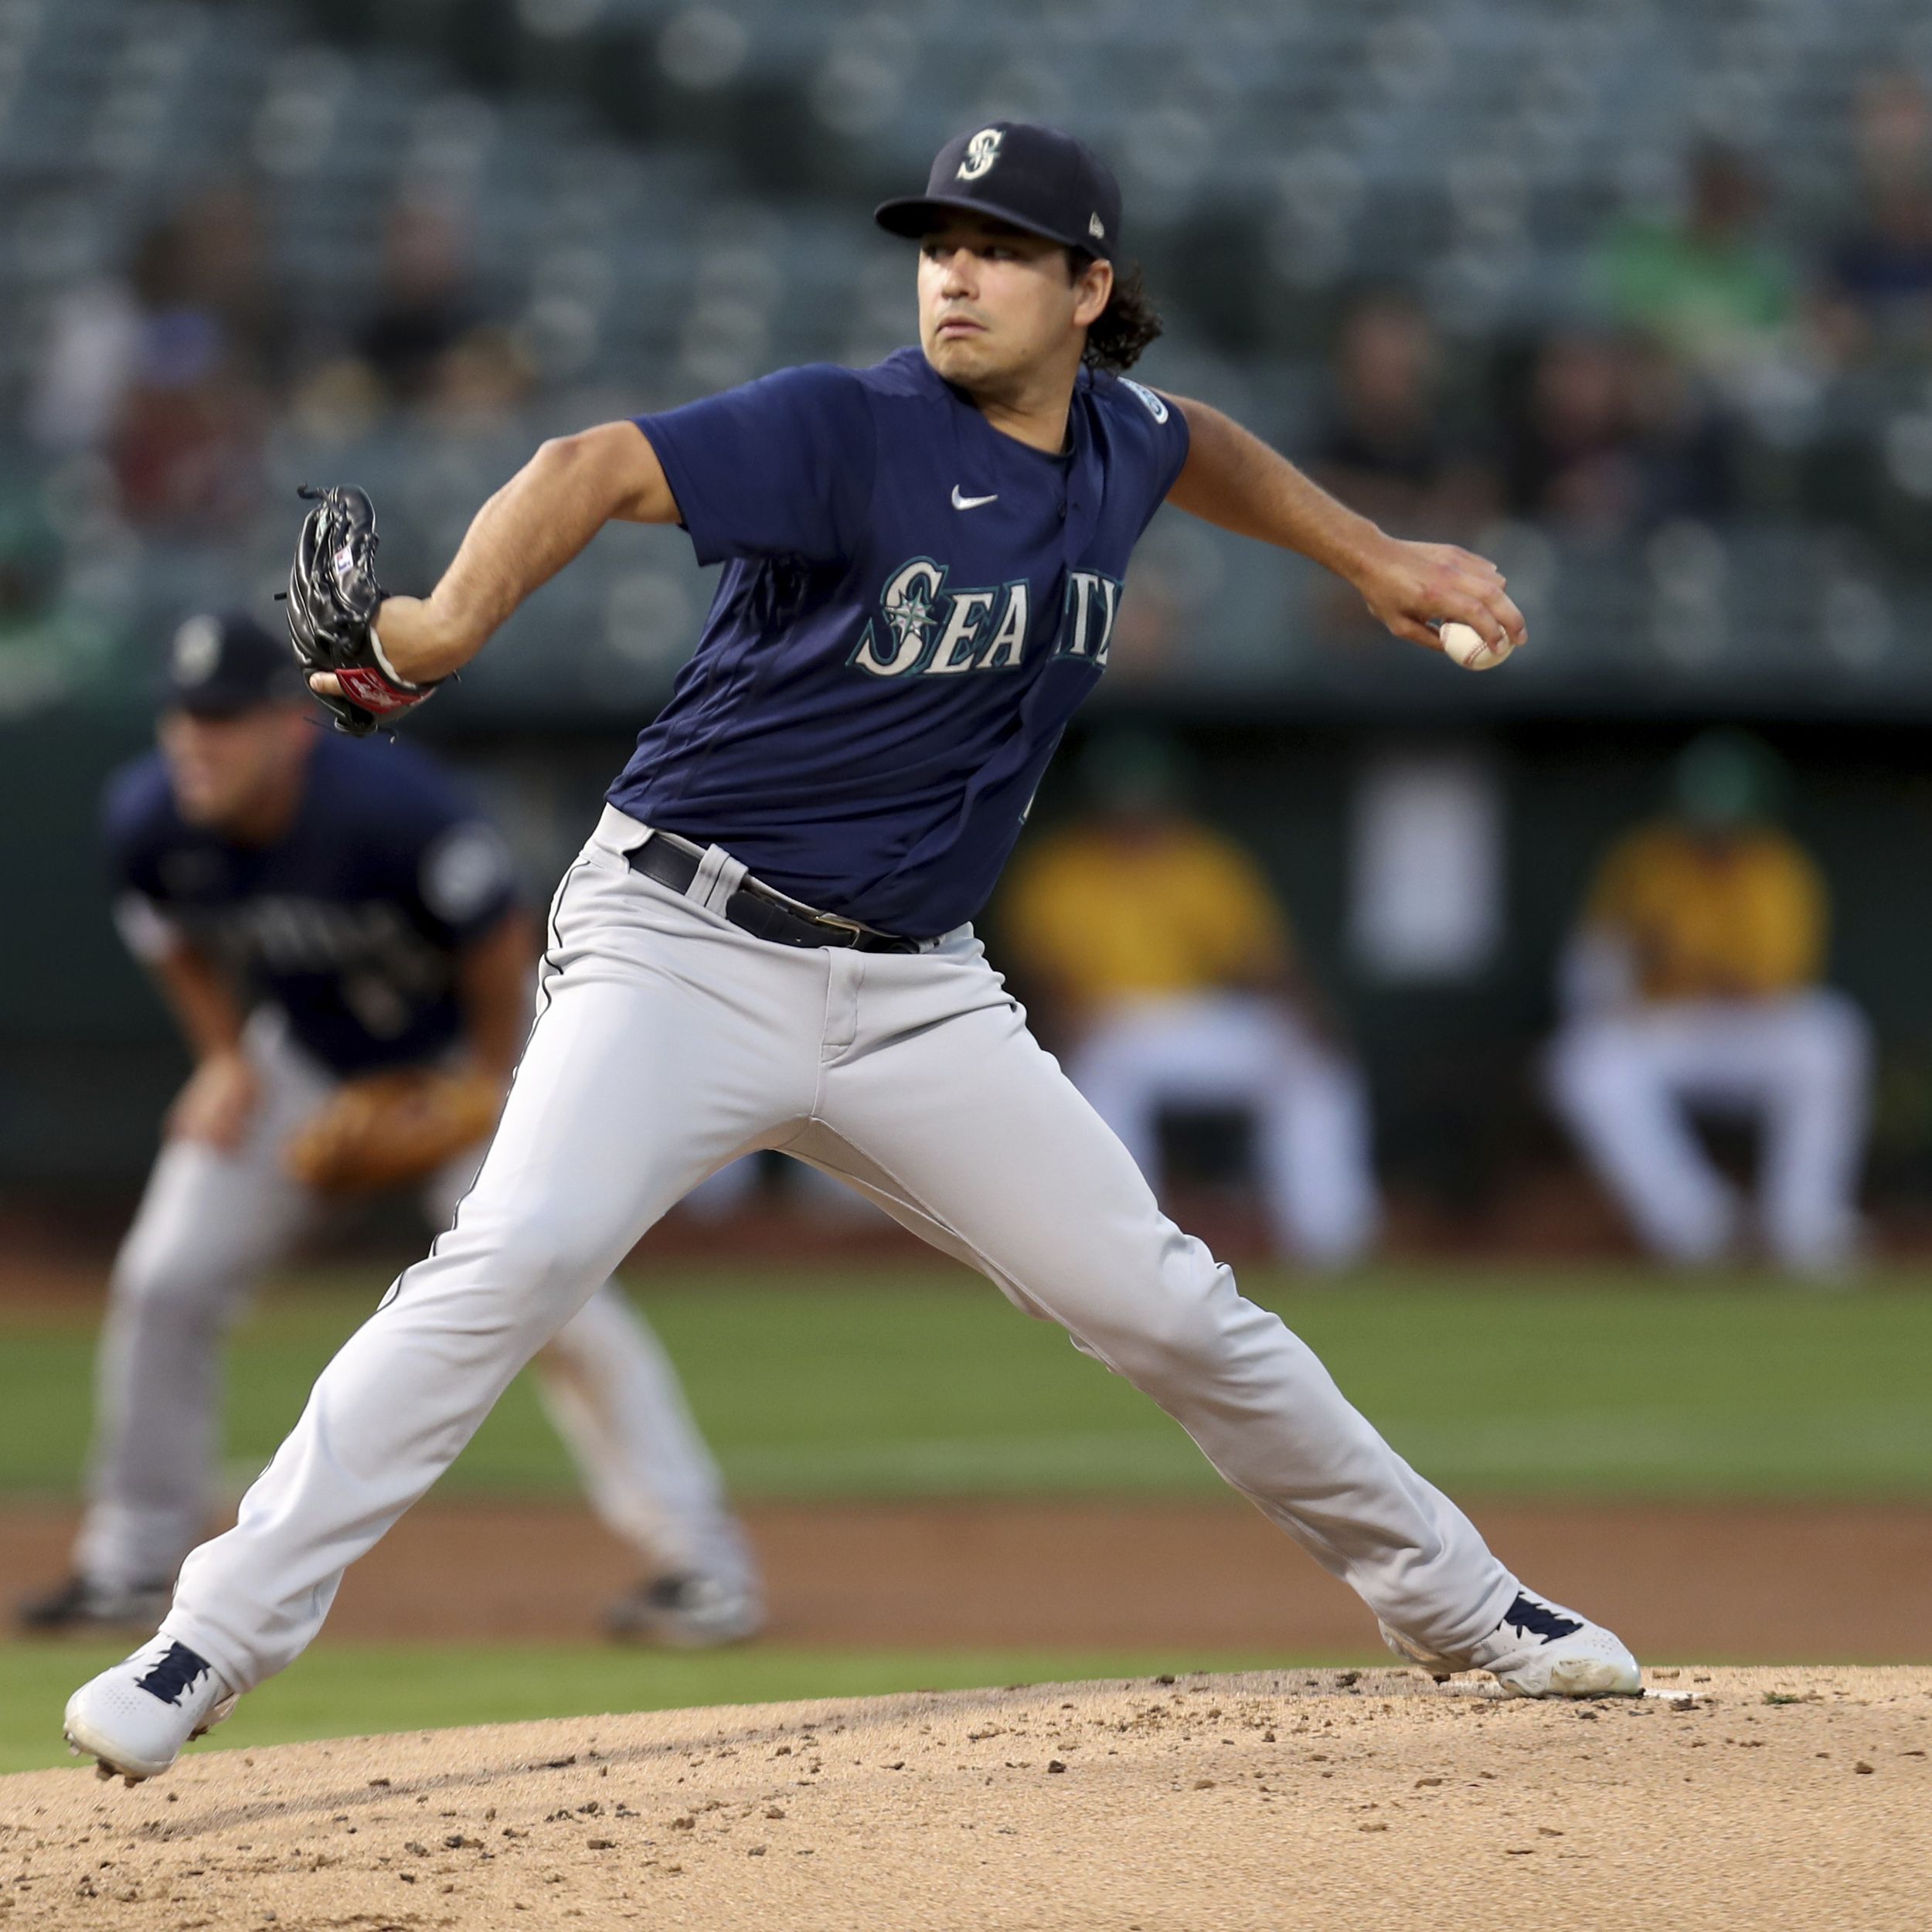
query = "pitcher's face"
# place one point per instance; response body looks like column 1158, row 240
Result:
column 996, row 304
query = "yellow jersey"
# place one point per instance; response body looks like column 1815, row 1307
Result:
column 1743, row 916
column 1105, row 918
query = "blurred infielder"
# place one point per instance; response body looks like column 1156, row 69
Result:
column 766, row 941
column 337, row 933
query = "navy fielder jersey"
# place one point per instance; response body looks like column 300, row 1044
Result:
column 913, row 606
column 351, row 923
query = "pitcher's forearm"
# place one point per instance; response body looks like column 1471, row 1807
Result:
column 521, row 538
column 1233, row 479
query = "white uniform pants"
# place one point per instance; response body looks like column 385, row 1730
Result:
column 669, row 1042
column 210, row 1222
column 1310, row 1106
column 1627, row 1081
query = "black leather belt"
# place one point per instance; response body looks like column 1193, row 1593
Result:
column 757, row 910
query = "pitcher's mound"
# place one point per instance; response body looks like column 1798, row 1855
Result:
column 1771, row 1799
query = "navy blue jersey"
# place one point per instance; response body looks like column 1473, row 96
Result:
column 351, row 923
column 913, row 606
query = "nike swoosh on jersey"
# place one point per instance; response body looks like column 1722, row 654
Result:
column 971, row 502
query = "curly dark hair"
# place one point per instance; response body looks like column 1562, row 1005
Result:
column 1128, row 324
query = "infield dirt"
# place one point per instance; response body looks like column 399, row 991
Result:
column 1742, row 1581
column 1775, row 1800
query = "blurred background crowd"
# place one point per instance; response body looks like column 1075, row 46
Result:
column 1635, row 297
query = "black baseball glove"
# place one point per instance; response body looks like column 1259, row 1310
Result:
column 332, row 601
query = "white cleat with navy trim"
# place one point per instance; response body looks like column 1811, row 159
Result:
column 1539, row 1650
column 135, row 1718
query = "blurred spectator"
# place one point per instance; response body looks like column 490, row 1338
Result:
column 1154, row 949
column 1388, row 448
column 210, row 263
column 1879, row 278
column 122, row 352
column 86, row 361
column 480, row 380
column 427, row 303
column 1709, row 288
column 185, row 438
column 1603, row 440
column 1692, row 986
column 422, row 344
column 187, row 447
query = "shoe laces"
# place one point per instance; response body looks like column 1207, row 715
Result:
column 173, row 1674
column 1538, row 1620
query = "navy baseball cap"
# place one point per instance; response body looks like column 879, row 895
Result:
column 1035, row 178
column 222, row 663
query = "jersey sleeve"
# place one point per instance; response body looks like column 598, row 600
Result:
column 132, row 815
column 782, row 467
column 465, row 880
column 445, row 858
column 1150, row 427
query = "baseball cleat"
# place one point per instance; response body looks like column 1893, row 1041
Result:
column 82, row 1606
column 134, row 1718
column 1539, row 1650
column 686, row 1611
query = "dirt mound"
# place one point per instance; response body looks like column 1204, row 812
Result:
column 1775, row 1799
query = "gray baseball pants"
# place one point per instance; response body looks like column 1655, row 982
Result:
column 210, row 1221
column 669, row 1042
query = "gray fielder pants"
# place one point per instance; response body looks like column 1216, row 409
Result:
column 668, row 1042
column 210, row 1223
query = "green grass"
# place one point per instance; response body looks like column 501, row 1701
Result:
column 1607, row 1383
column 350, row 1690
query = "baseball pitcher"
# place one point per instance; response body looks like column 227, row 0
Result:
column 767, row 940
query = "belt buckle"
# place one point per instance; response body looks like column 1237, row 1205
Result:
column 852, row 931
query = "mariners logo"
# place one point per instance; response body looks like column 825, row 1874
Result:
column 981, row 151
column 931, row 630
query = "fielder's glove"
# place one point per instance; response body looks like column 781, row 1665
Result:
column 385, row 1129
column 332, row 601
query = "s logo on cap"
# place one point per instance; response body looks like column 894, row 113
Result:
column 197, row 650
column 981, row 151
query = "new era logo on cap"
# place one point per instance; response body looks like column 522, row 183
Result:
column 1017, row 172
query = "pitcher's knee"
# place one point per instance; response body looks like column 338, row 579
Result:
column 1184, row 1337
column 516, row 1275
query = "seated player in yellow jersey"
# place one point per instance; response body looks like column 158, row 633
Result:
column 1155, row 952
column 1692, row 985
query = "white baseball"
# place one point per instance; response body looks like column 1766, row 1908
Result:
column 1468, row 648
